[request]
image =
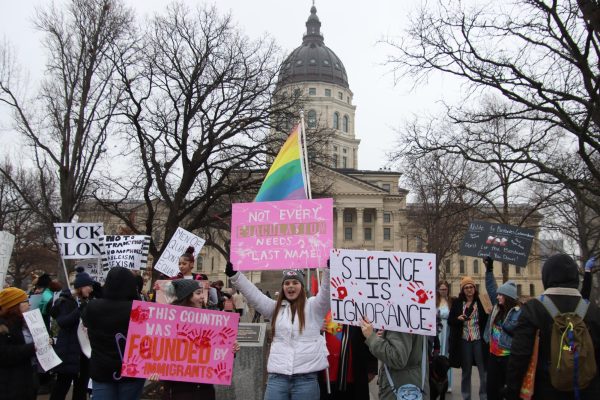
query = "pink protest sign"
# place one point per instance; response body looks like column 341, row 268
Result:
column 180, row 343
column 281, row 234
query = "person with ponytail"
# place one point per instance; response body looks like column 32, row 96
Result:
column 66, row 311
column 298, row 351
column 186, row 265
column 187, row 293
column 499, row 328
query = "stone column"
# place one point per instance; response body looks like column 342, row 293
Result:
column 378, row 234
column 359, row 227
column 339, row 239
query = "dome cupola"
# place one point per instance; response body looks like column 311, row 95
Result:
column 313, row 61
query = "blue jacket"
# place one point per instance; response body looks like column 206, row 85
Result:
column 510, row 321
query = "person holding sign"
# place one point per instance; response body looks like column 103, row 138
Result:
column 187, row 293
column 467, row 321
column 18, row 365
column 67, row 313
column 499, row 329
column 298, row 351
column 404, row 360
column 107, row 320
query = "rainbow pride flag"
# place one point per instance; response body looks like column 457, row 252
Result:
column 286, row 179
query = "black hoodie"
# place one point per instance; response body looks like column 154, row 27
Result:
column 107, row 320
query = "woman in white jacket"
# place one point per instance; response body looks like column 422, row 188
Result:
column 298, row 351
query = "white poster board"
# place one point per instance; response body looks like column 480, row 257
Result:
column 94, row 269
column 168, row 263
column 79, row 240
column 128, row 251
column 393, row 290
column 43, row 349
column 7, row 241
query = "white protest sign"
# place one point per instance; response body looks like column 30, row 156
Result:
column 168, row 263
column 393, row 290
column 43, row 349
column 7, row 241
column 79, row 240
column 93, row 269
column 128, row 251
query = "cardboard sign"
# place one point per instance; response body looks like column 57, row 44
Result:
column 79, row 240
column 180, row 343
column 7, row 241
column 128, row 251
column 504, row 243
column 162, row 297
column 281, row 234
column 168, row 263
column 94, row 269
column 43, row 349
column 394, row 291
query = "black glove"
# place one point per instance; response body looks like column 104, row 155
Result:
column 489, row 264
column 328, row 266
column 229, row 271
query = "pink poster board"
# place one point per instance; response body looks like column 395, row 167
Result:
column 180, row 343
column 281, row 234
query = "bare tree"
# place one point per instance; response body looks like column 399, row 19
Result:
column 501, row 183
column 67, row 122
column 442, row 204
column 33, row 249
column 199, row 107
column 541, row 56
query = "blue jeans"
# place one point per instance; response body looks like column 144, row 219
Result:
column 292, row 387
column 130, row 389
column 472, row 351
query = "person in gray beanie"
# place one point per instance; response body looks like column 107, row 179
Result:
column 560, row 276
column 499, row 328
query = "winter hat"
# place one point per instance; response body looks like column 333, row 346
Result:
column 293, row 274
column 509, row 289
column 10, row 297
column 184, row 287
column 82, row 279
column 467, row 280
column 120, row 285
column 560, row 270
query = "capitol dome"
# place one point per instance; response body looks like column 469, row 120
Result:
column 313, row 61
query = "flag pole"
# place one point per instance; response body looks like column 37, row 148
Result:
column 305, row 155
column 309, row 196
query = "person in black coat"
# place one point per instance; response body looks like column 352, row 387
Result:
column 467, row 320
column 351, row 364
column 75, row 365
column 560, row 276
column 107, row 321
column 18, row 364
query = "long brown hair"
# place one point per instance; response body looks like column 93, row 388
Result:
column 12, row 315
column 297, row 306
column 448, row 298
column 503, row 309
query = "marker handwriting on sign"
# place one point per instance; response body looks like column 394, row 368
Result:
column 382, row 268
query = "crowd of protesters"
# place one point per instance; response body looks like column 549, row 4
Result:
column 500, row 342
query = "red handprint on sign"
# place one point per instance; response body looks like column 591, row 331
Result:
column 222, row 372
column 421, row 295
column 130, row 368
column 140, row 314
column 225, row 335
column 205, row 338
column 342, row 292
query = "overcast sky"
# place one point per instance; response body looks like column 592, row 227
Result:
column 351, row 29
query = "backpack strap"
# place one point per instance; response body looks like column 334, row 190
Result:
column 389, row 377
column 549, row 306
column 582, row 308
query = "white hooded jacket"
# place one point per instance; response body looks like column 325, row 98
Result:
column 292, row 352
